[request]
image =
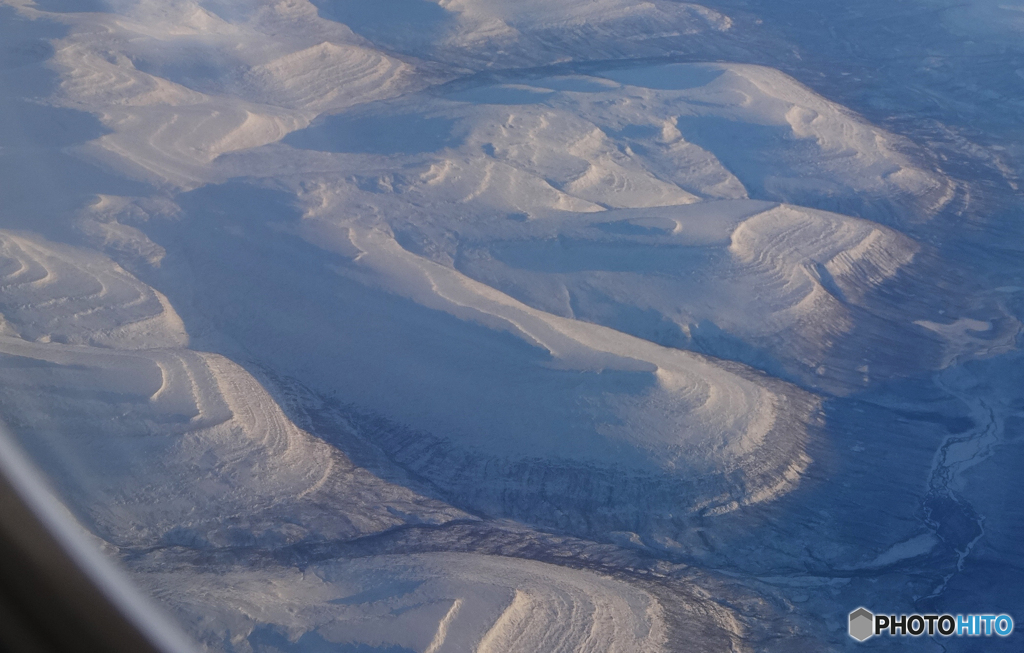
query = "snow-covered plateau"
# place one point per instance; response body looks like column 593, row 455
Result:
column 471, row 325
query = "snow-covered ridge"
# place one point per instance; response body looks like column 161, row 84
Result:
column 326, row 77
column 466, row 227
column 510, row 282
column 54, row 293
column 178, row 85
column 655, row 136
column 538, row 189
column 503, row 23
column 780, row 278
column 686, row 416
column 175, row 448
column 479, row 34
column 150, row 442
column 427, row 602
column 442, row 224
column 681, row 121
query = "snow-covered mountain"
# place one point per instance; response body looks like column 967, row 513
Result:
column 497, row 326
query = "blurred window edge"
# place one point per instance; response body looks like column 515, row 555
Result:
column 57, row 591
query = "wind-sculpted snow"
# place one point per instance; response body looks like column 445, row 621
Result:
column 650, row 136
column 741, row 279
column 106, row 222
column 162, row 130
column 529, row 198
column 177, row 85
column 464, row 226
column 661, row 411
column 487, row 33
column 327, row 76
column 490, row 277
column 55, row 293
column 153, row 443
column 427, row 602
column 627, row 139
column 686, row 122
column 570, row 28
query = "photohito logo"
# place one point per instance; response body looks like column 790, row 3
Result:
column 864, row 624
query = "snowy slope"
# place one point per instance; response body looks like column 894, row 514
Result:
column 511, row 208
column 649, row 137
column 505, row 197
column 520, row 149
column 54, row 293
column 985, row 18
column 427, row 602
column 152, row 443
column 479, row 34
column 167, row 80
column 501, row 261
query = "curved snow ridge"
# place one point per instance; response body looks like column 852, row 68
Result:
column 595, row 499
column 605, row 183
column 99, row 222
column 542, row 32
column 683, row 417
column 326, row 77
column 822, row 277
column 97, row 79
column 179, row 53
column 436, row 602
column 769, row 285
column 483, row 184
column 176, row 145
column 842, row 136
column 803, row 250
column 568, row 151
column 52, row 292
column 820, row 154
column 182, row 448
column 576, row 152
column 626, row 138
column 153, row 443
column 159, row 129
column 699, row 389
column 178, row 86
column 670, row 134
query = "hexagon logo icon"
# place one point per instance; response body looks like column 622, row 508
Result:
column 862, row 624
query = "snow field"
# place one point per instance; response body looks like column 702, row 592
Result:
column 150, row 442
column 424, row 602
